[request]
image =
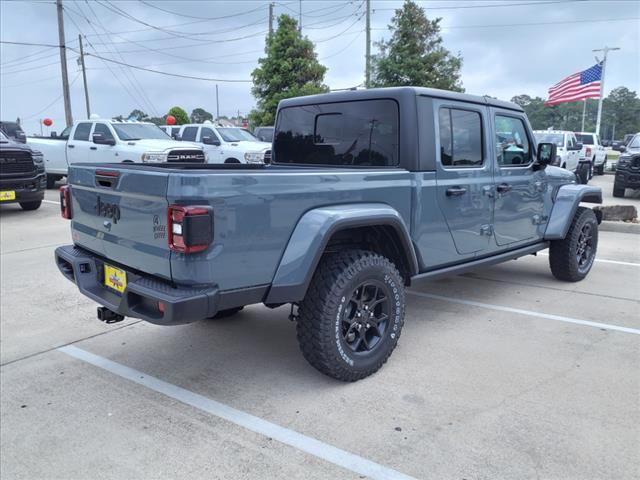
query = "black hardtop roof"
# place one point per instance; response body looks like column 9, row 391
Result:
column 396, row 92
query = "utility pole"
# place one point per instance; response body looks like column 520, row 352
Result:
column 63, row 65
column 367, row 73
column 271, row 19
column 584, row 111
column 84, row 77
column 300, row 19
column 217, row 104
column 605, row 50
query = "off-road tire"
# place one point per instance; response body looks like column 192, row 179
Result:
column 31, row 205
column 328, row 302
column 583, row 173
column 563, row 254
column 617, row 190
column 600, row 169
column 232, row 160
column 226, row 313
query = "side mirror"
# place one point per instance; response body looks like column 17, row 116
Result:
column 99, row 139
column 54, row 135
column 177, row 137
column 546, row 154
column 578, row 146
column 210, row 141
column 622, row 148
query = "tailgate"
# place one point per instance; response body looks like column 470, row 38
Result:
column 121, row 214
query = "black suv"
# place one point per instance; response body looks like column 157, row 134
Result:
column 14, row 131
column 628, row 168
column 22, row 177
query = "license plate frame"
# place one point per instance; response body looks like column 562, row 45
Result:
column 7, row 195
column 115, row 278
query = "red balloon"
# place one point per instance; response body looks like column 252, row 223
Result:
column 171, row 120
column 47, row 122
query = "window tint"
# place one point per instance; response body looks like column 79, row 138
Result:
column 207, row 132
column 82, row 132
column 175, row 131
column 586, row 139
column 571, row 141
column 460, row 138
column 104, row 130
column 512, row 144
column 189, row 134
column 363, row 133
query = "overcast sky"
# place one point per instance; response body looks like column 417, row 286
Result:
column 507, row 49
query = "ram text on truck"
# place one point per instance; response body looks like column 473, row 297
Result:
column 370, row 192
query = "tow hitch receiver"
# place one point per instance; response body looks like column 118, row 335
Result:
column 109, row 316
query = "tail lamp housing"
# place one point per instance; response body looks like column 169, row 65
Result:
column 190, row 228
column 587, row 152
column 65, row 202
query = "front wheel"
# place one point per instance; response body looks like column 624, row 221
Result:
column 31, row 205
column 583, row 173
column 351, row 317
column 618, row 191
column 572, row 257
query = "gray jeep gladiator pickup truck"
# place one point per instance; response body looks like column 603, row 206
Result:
column 368, row 193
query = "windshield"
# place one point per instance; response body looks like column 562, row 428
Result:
column 12, row 129
column 635, row 143
column 585, row 139
column 236, row 135
column 556, row 138
column 138, row 131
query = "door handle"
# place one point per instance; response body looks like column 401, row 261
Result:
column 456, row 191
column 70, row 146
column 93, row 148
column 503, row 188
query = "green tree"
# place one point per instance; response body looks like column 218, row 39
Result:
column 138, row 115
column 180, row 115
column 289, row 69
column 414, row 55
column 620, row 112
column 158, row 120
column 200, row 115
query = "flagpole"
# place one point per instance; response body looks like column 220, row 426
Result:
column 584, row 110
column 605, row 50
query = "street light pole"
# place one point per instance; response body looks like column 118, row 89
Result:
column 605, row 50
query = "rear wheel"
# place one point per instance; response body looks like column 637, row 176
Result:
column 51, row 181
column 583, row 173
column 618, row 191
column 572, row 257
column 232, row 160
column 31, row 205
column 351, row 318
column 600, row 169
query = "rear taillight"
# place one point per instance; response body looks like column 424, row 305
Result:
column 587, row 152
column 190, row 228
column 65, row 201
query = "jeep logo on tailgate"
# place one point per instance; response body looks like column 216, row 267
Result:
column 108, row 210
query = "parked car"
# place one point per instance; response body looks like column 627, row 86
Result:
column 22, row 177
column 617, row 145
column 172, row 130
column 594, row 150
column 264, row 134
column 627, row 138
column 370, row 191
column 569, row 152
column 14, row 131
column 628, row 168
column 101, row 140
column 226, row 144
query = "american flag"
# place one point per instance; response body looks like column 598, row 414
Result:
column 581, row 85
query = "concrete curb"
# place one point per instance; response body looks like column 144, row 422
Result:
column 620, row 227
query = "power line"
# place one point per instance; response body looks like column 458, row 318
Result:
column 52, row 103
column 149, row 4
column 532, row 24
column 343, row 32
column 311, row 26
column 57, row 62
column 497, row 5
column 34, row 54
column 345, row 47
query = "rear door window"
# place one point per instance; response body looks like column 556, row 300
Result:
column 190, row 134
column 460, row 138
column 82, row 131
column 349, row 134
column 585, row 139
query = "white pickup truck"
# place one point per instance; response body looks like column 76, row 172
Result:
column 225, row 144
column 106, row 141
column 593, row 149
column 569, row 153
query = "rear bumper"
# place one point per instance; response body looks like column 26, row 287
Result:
column 27, row 189
column 142, row 294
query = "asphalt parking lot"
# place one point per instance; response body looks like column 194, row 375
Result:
column 504, row 373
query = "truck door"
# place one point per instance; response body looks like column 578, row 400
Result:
column 464, row 176
column 102, row 153
column 78, row 146
column 519, row 188
column 214, row 151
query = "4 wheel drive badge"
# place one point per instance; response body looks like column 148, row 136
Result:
column 108, row 210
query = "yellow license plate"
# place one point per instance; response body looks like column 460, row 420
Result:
column 115, row 278
column 7, row 195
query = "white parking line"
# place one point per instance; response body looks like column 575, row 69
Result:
column 546, row 316
column 51, row 201
column 294, row 439
column 602, row 260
